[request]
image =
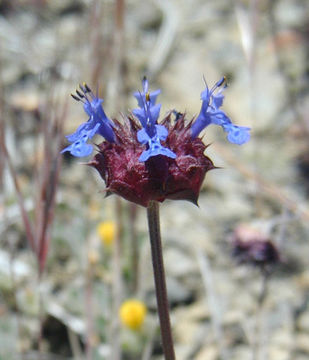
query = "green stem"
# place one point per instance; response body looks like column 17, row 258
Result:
column 159, row 277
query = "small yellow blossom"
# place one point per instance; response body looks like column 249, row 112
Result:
column 107, row 232
column 132, row 314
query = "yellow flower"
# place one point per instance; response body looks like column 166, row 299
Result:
column 132, row 314
column 106, row 231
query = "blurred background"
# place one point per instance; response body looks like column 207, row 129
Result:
column 75, row 267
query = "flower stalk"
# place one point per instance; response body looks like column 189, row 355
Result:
column 159, row 277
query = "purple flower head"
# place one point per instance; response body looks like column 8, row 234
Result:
column 210, row 113
column 148, row 159
column 98, row 123
column 151, row 133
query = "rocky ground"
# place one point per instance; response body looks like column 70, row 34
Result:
column 220, row 309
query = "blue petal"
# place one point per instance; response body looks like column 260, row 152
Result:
column 205, row 94
column 106, row 131
column 155, row 112
column 93, row 106
column 100, row 114
column 93, row 131
column 162, row 132
column 97, row 116
column 143, row 117
column 78, row 133
column 167, row 152
column 145, row 85
column 219, row 118
column 153, row 96
column 142, row 136
column 217, row 100
column 144, row 156
column 200, row 123
column 237, row 134
column 88, row 129
column 141, row 97
column 140, row 114
column 156, row 149
column 79, row 149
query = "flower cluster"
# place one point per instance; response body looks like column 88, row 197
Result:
column 150, row 160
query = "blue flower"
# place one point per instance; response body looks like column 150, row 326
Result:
column 151, row 134
column 80, row 148
column 98, row 123
column 154, row 145
column 211, row 114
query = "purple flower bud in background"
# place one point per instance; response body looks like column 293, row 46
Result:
column 251, row 247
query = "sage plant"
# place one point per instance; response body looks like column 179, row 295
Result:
column 146, row 161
